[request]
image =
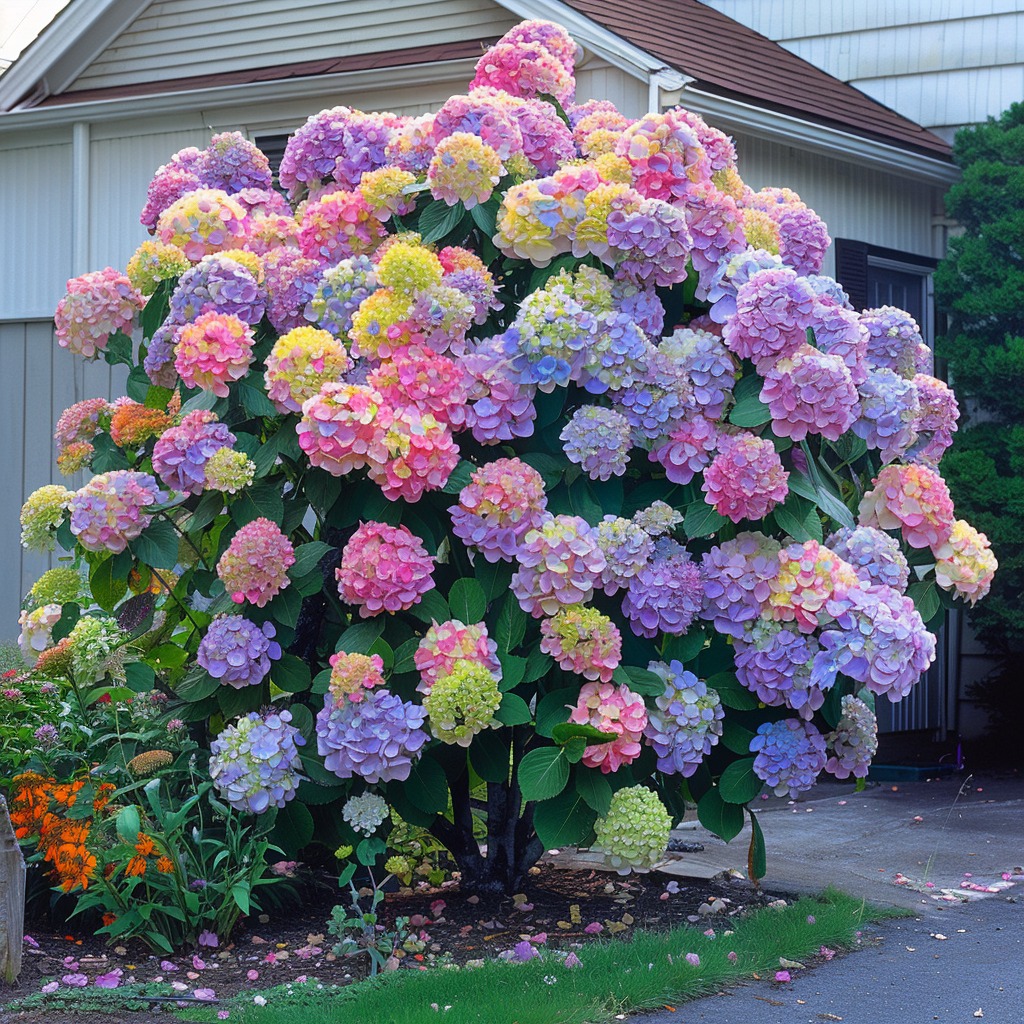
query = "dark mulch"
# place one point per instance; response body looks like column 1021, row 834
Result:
column 294, row 942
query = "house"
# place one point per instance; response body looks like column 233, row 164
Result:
column 113, row 87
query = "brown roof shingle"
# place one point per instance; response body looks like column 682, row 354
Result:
column 730, row 59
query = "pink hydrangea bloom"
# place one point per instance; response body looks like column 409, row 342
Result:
column 745, row 479
column 553, row 37
column 503, row 501
column 652, row 243
column 421, row 455
column 811, row 586
column 300, row 362
column 915, row 500
column 213, row 352
column 584, row 641
column 80, row 422
column 343, row 428
column 688, row 450
column 95, row 306
column 108, row 511
column 838, row 331
column 255, row 566
column 936, row 421
column 446, row 644
column 169, row 184
column 665, row 155
column 384, row 568
column 560, row 563
column 773, row 311
column 612, row 709
column 418, row 376
column 803, row 237
column 353, row 674
column 204, row 221
column 340, row 224
column 716, row 227
column 525, row 68
column 969, row 570
column 810, row 392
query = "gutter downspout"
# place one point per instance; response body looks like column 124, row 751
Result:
column 80, row 166
column 669, row 81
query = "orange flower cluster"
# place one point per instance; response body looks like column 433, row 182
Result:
column 133, row 423
column 38, row 807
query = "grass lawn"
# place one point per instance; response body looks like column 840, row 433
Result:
column 614, row 977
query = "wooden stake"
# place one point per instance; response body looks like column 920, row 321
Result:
column 12, row 899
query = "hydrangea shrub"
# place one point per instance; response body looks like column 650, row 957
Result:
column 521, row 459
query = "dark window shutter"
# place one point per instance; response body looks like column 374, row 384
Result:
column 852, row 270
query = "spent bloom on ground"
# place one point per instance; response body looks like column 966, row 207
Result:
column 255, row 566
column 686, row 721
column 634, row 833
column 255, row 763
column 237, row 651
column 384, row 569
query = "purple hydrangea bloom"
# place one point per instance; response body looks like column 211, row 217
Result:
column 889, row 410
column 220, row 284
column 790, row 755
column 547, row 139
column 169, row 184
column 737, row 580
column 617, row 355
column 894, row 340
column 654, row 243
column 254, row 763
column 500, row 409
column 237, row 651
column 854, row 740
column 803, row 238
column 312, row 150
column 292, row 281
column 875, row 556
column 232, row 162
column 665, row 595
column 707, row 362
column 361, row 147
column 839, row 332
column 181, row 453
column 159, row 361
column 376, row 738
column 641, row 305
column 340, row 292
column 936, row 422
column 627, row 548
column 733, row 272
column 599, row 440
column 687, row 720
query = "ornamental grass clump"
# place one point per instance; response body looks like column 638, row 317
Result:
column 495, row 482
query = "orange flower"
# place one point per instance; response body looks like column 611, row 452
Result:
column 165, row 866
column 145, row 846
column 133, row 423
column 109, row 919
column 136, row 866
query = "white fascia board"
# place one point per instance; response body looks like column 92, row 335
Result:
column 735, row 115
column 613, row 48
column 99, row 111
column 66, row 47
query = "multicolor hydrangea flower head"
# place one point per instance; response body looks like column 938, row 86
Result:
column 300, row 363
column 213, row 352
column 889, row 413
column 627, row 548
column 291, row 281
column 204, row 221
column 789, row 755
column 44, row 510
column 599, row 440
column 220, row 283
column 503, row 501
column 108, row 511
column 560, row 563
column 341, row 291
column 811, row 586
column 688, row 449
column 255, row 764
column 853, row 742
column 238, row 652
column 132, row 424
column 154, row 262
column 96, row 647
column 686, row 721
column 343, row 427
column 707, row 362
column 615, row 710
column 377, row 738
column 936, row 421
column 652, row 243
column 894, row 340
column 968, row 571
column 37, row 628
column 353, row 674
column 745, row 479
column 810, row 392
column 338, row 225
column 464, row 170
column 737, row 580
column 583, row 641
column 255, row 566
column 658, row 519
column 420, row 455
column 525, row 68
column 665, row 155
column 56, row 586
column 874, row 556
column 665, row 595
column 633, row 835
column 229, row 471
column 233, row 163
column 181, row 453
column 446, row 644
column 383, row 190
column 462, row 703
column 913, row 499
column 96, row 305
column 384, row 569
column 168, row 185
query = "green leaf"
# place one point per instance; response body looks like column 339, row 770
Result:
column 197, row 685
column 241, row 895
column 827, row 500
column 307, row 558
column 550, row 468
column 285, row 608
column 686, row 647
column 211, row 505
column 405, row 654
column 254, row 399
column 565, row 820
column 799, row 518
column 513, row 710
column 559, row 109
column 553, row 708
column 736, row 737
column 290, row 674
column 129, row 824
column 566, row 731
column 432, row 607
column 925, row 596
column 461, row 475
column 485, row 216
column 119, row 350
column 234, row 702
column 725, row 820
column 369, row 850
column 757, row 853
column 538, row 665
column 639, row 680
column 467, row 601
column 702, row 520
column 575, row 749
column 155, row 310
column 749, row 410
column 262, row 500
column 490, row 754
column 322, row 489
column 594, row 787
column 293, row 828
column 139, row 677
column 167, row 656
column 108, row 580
column 360, row 636
column 732, row 693
column 511, row 625
column 739, row 784
column 157, row 545
column 543, row 773
column 427, row 786
column 439, row 219
column 513, row 669
column 137, row 386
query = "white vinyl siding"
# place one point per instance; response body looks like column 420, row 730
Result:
column 184, row 38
